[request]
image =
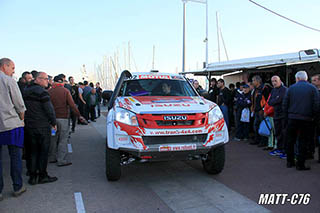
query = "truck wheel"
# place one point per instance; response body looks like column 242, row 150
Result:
column 215, row 161
column 113, row 167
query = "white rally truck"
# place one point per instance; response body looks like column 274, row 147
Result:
column 156, row 116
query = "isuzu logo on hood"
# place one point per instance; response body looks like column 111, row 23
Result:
column 175, row 117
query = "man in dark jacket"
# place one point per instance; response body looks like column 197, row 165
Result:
column 86, row 90
column 316, row 82
column 243, row 101
column 277, row 94
column 300, row 106
column 224, row 100
column 72, row 87
column 213, row 90
column 25, row 79
column 39, row 119
column 259, row 99
column 91, row 101
column 99, row 96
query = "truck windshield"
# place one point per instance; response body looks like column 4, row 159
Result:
column 156, row 87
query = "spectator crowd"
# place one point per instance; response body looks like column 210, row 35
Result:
column 291, row 115
column 35, row 118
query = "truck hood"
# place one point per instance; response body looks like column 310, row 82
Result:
column 165, row 104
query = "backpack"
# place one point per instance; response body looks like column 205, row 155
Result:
column 268, row 110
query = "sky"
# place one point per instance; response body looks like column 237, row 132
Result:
column 60, row 36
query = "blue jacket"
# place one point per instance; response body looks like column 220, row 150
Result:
column 301, row 101
column 276, row 98
column 243, row 100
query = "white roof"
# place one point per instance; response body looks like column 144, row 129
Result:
column 220, row 68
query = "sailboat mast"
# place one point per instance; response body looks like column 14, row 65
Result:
column 154, row 50
column 218, row 35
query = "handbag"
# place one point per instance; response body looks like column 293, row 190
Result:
column 245, row 115
column 265, row 127
column 268, row 110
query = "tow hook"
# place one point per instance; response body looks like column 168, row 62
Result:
column 204, row 157
column 126, row 162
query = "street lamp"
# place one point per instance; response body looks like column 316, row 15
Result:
column 184, row 30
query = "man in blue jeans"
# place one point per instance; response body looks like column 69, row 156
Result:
column 11, row 125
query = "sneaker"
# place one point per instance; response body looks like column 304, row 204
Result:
column 47, row 179
column 275, row 152
column 1, row 197
column 20, row 191
column 283, row 156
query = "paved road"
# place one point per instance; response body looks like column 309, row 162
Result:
column 165, row 186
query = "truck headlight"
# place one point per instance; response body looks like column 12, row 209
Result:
column 126, row 117
column 214, row 115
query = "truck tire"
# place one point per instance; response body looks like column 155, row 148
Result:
column 113, row 167
column 215, row 161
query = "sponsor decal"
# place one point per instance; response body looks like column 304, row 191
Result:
column 218, row 135
column 170, row 101
column 177, row 132
column 163, row 99
column 154, row 77
column 128, row 102
column 131, row 99
column 184, row 147
column 175, row 117
column 170, row 105
column 124, row 106
column 122, row 139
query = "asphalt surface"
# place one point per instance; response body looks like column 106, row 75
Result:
column 180, row 186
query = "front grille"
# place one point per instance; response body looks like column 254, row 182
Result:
column 149, row 140
column 158, row 121
column 175, row 123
